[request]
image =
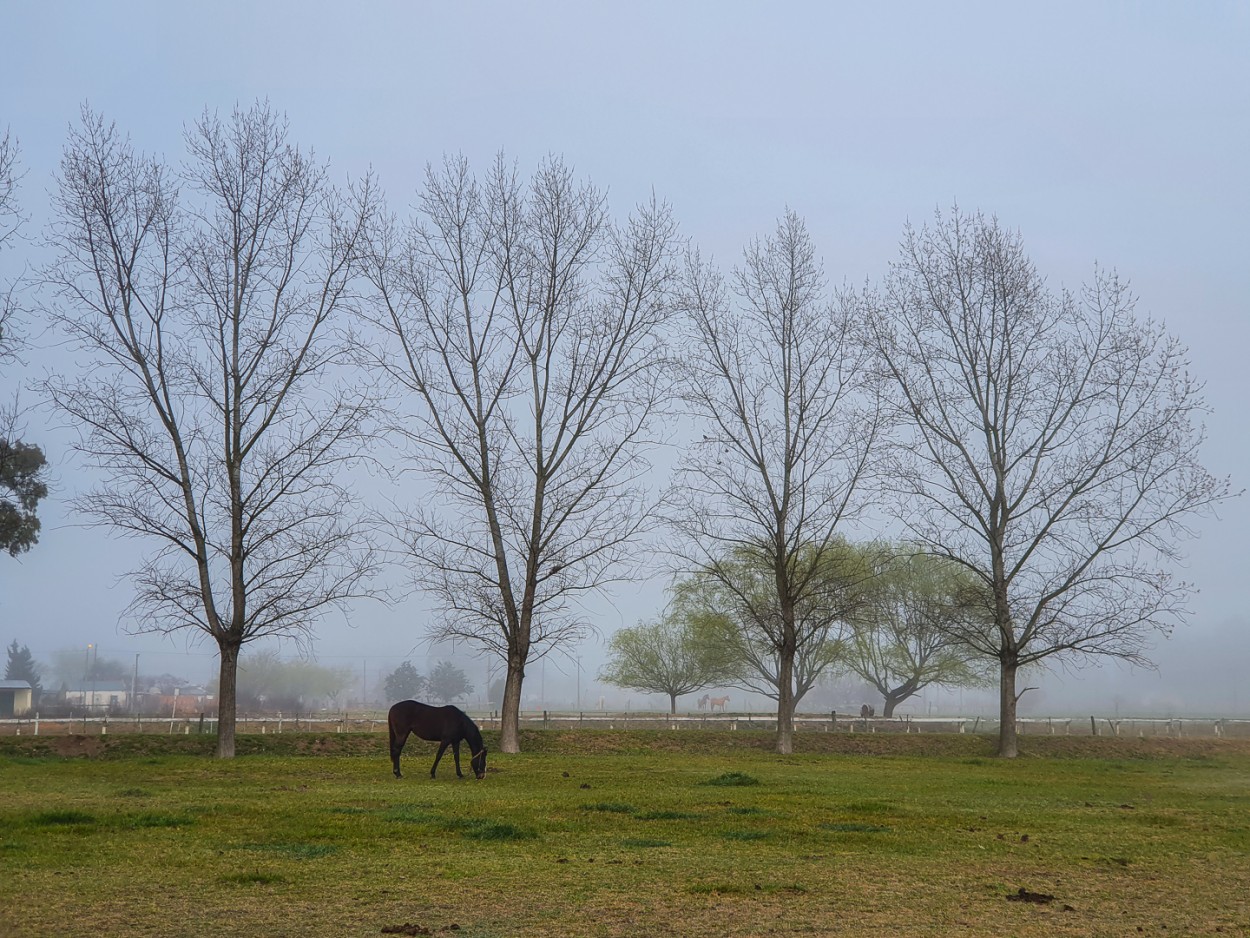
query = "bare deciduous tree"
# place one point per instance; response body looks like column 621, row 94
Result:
column 206, row 396
column 774, row 377
column 1049, row 446
column 523, row 335
column 10, row 221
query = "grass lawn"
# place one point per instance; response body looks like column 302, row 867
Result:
column 597, row 833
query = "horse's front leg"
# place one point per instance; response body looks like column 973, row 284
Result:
column 434, row 768
column 455, row 751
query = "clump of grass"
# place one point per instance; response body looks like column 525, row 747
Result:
column 406, row 814
column 868, row 807
column 711, row 889
column 743, row 835
column 667, row 816
column 62, row 818
column 644, row 842
column 256, row 878
column 134, row 793
column 733, row 779
column 852, row 827
column 160, row 820
column 611, row 807
column 493, row 830
column 749, row 811
column 296, row 850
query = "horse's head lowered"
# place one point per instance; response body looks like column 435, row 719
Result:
column 478, row 763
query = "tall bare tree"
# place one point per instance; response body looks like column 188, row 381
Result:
column 523, row 339
column 773, row 375
column 10, row 221
column 207, row 395
column 1050, row 446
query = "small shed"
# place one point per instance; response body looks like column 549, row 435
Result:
column 15, row 697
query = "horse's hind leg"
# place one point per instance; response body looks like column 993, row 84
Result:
column 455, row 751
column 434, row 768
column 397, row 746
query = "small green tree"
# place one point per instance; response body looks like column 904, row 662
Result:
column 734, row 607
column 668, row 656
column 268, row 682
column 22, row 666
column 447, row 683
column 21, row 488
column 404, row 682
column 904, row 631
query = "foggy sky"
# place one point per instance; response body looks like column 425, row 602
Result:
column 1108, row 133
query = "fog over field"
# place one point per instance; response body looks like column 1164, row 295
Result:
column 1107, row 134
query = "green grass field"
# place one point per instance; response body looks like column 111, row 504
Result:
column 687, row 834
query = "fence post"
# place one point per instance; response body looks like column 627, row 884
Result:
column 1093, row 727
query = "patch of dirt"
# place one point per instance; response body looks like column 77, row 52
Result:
column 77, row 746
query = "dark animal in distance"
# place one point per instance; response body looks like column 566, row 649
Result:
column 703, row 701
column 445, row 725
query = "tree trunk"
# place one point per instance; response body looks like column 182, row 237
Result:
column 672, row 704
column 510, row 717
column 227, row 700
column 887, row 710
column 785, row 705
column 1007, row 748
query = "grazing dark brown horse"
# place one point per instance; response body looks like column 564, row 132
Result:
column 444, row 725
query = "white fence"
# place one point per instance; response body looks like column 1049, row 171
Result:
column 832, row 722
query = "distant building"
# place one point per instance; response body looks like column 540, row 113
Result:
column 16, row 697
column 100, row 695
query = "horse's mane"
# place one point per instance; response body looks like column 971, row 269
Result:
column 472, row 734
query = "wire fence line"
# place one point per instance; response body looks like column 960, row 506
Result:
column 372, row 722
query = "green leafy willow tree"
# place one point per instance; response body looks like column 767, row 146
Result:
column 734, row 610
column 404, row 682
column 21, row 666
column 269, row 682
column 522, row 332
column 773, row 376
column 1048, row 445
column 208, row 395
column 904, row 631
column 669, row 656
column 22, row 465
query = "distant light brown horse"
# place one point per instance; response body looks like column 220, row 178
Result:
column 715, row 702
